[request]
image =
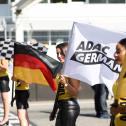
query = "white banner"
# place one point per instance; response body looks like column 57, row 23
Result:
column 90, row 56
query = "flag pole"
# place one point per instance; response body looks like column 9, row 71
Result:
column 13, row 85
column 12, row 96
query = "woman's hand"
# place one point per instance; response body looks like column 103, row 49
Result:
column 122, row 109
column 3, row 64
column 62, row 80
column 51, row 117
column 116, row 110
column 72, row 85
column 21, row 81
column 13, row 78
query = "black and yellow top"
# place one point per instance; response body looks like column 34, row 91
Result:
column 62, row 91
column 3, row 73
column 21, row 86
column 120, row 119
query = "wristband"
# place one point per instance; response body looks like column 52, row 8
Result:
column 66, row 85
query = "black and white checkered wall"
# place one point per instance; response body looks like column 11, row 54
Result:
column 7, row 48
column 40, row 47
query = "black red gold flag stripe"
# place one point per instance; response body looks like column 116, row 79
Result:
column 34, row 67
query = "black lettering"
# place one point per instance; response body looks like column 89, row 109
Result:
column 80, row 57
column 104, row 49
column 117, row 68
column 81, row 46
column 110, row 63
column 97, row 47
column 89, row 45
column 61, row 89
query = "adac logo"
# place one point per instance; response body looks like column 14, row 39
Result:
column 90, row 53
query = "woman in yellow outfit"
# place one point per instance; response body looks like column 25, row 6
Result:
column 118, row 109
column 21, row 97
column 4, row 89
column 68, row 89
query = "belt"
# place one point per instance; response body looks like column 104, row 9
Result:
column 71, row 101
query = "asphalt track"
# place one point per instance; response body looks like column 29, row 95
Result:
column 39, row 114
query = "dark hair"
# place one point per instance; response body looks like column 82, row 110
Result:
column 123, row 42
column 63, row 47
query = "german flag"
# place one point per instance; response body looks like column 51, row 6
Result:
column 34, row 67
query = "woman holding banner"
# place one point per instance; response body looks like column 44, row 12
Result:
column 21, row 97
column 4, row 89
column 66, row 98
column 118, row 109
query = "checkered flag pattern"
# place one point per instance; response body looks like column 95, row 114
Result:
column 40, row 47
column 6, row 49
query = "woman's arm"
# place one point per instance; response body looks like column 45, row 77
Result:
column 72, row 85
column 3, row 64
column 18, row 80
column 119, row 109
column 114, row 110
